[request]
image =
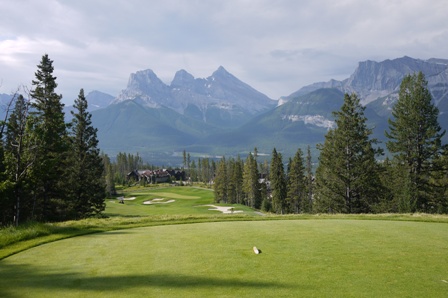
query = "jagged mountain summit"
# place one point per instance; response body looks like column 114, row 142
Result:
column 220, row 99
column 220, row 115
column 374, row 80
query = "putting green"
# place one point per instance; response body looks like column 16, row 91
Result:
column 321, row 258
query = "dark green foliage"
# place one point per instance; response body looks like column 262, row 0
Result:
column 45, row 174
column 108, row 176
column 125, row 163
column 438, row 201
column 86, row 187
column 397, row 195
column 50, row 133
column 221, row 182
column 415, row 137
column 347, row 176
column 278, row 184
column 235, row 187
column 20, row 156
column 251, row 185
column 296, row 191
column 309, row 183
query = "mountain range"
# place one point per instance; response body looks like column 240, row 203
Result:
column 221, row 115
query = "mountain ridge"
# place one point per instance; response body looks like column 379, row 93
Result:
column 221, row 115
column 220, row 99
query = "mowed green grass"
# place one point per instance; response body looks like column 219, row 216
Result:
column 300, row 258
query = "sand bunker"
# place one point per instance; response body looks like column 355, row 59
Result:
column 129, row 199
column 223, row 209
column 157, row 201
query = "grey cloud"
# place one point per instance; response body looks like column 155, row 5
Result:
column 275, row 46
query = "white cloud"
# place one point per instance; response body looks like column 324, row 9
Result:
column 274, row 46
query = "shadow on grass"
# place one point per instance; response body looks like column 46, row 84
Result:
column 29, row 278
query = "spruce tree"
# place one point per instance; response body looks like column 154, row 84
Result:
column 20, row 153
column 50, row 132
column 278, row 183
column 109, row 176
column 251, row 186
column 296, row 191
column 86, row 183
column 6, row 185
column 237, row 180
column 309, row 182
column 232, row 181
column 347, row 178
column 221, row 182
column 415, row 136
column 438, row 201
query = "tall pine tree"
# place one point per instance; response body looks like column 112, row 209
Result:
column 20, row 158
column 221, row 182
column 297, row 194
column 415, row 137
column 278, row 183
column 347, row 178
column 309, row 183
column 251, row 186
column 86, row 183
column 50, row 131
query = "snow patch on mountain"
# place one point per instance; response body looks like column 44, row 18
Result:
column 316, row 120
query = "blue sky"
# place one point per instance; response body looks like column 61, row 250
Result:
column 277, row 47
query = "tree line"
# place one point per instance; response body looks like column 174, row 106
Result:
column 351, row 176
column 49, row 170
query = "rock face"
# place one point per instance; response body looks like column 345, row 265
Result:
column 224, row 116
column 374, row 80
column 220, row 99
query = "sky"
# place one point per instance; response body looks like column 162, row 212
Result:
column 276, row 47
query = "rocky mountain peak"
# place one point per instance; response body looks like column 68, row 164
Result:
column 144, row 85
column 372, row 80
column 182, row 78
column 220, row 98
column 388, row 74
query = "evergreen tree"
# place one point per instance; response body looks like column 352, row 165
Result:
column 193, row 172
column 205, row 170
column 188, row 170
column 109, row 176
column 308, row 201
column 438, row 201
column 278, row 183
column 87, row 186
column 237, row 180
column 251, row 186
column 6, row 181
column 415, row 136
column 221, row 182
column 347, row 178
column 296, row 191
column 231, row 180
column 398, row 189
column 50, row 132
column 20, row 157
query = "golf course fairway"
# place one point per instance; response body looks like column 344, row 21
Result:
column 299, row 258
